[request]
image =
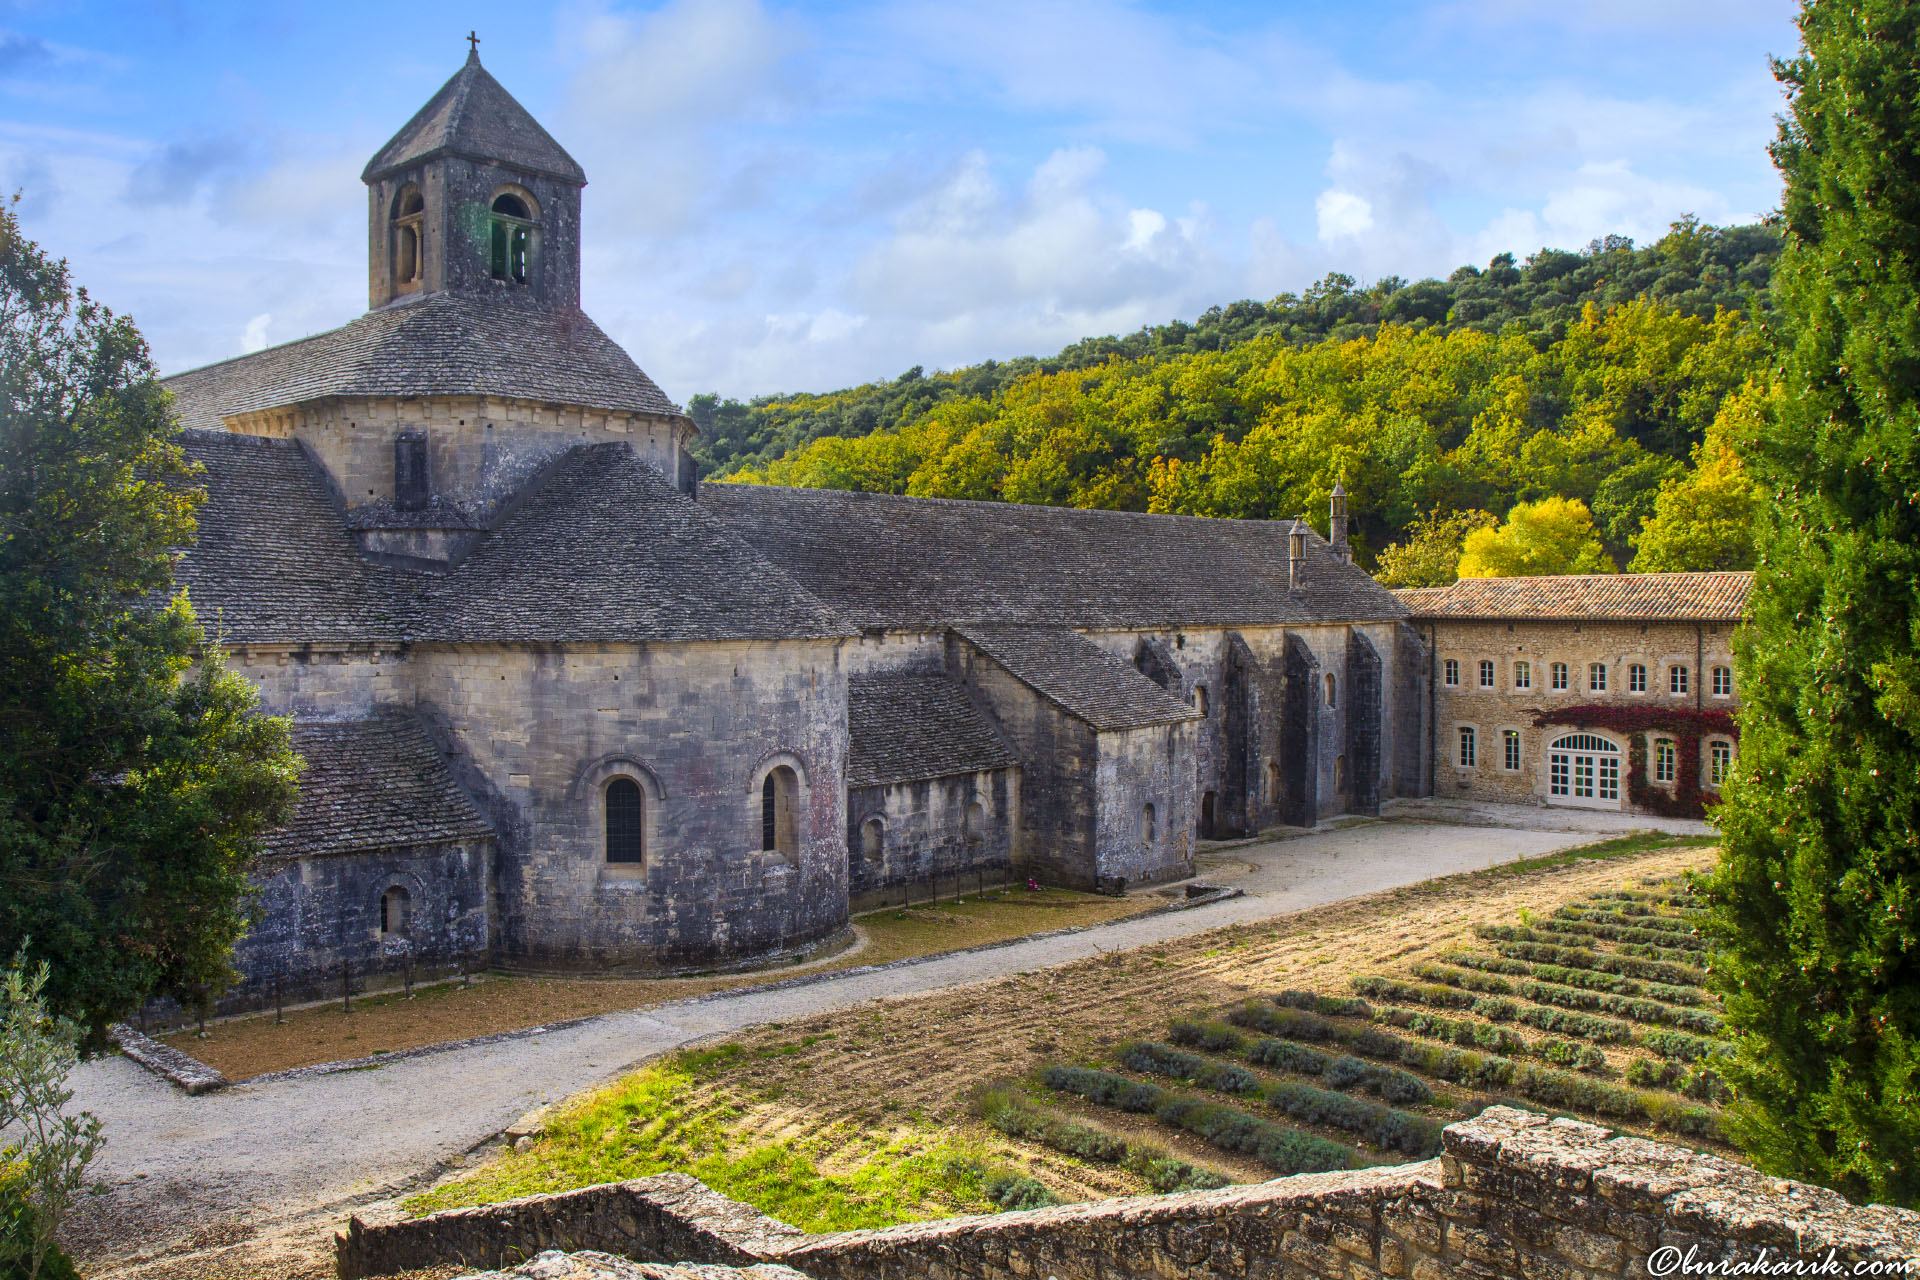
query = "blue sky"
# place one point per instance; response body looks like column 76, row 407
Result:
column 804, row 196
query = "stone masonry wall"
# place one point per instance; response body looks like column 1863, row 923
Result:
column 537, row 736
column 1508, row 707
column 481, row 450
column 1513, row 1194
column 1058, row 757
column 1136, row 768
column 925, row 841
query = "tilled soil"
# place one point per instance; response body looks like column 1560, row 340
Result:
column 887, row 1068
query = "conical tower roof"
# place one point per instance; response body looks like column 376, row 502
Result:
column 474, row 116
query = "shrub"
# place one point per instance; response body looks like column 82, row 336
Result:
column 1017, row 1116
column 1626, row 1006
column 1214, row 1037
column 1384, row 1127
column 1285, row 1055
column 1391, row 1083
column 1621, row 933
column 1291, row 1024
column 1314, row 1002
column 1617, row 983
column 1018, row 1191
column 43, row 1168
column 1286, row 1150
column 1104, row 1087
column 1566, row 1022
column 1154, row 1058
column 1565, row 1053
column 1478, row 1035
column 1381, row 988
column 1604, row 962
column 1491, row 964
column 1680, row 1045
column 1465, row 978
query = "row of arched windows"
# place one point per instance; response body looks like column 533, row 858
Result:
column 511, row 216
column 624, row 815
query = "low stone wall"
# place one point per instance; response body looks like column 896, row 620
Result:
column 1513, row 1194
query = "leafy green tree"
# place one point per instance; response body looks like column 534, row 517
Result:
column 1815, row 907
column 1703, row 519
column 1430, row 556
column 1554, row 535
column 135, row 777
column 43, row 1169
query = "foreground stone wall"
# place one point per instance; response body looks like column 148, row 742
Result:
column 1513, row 1194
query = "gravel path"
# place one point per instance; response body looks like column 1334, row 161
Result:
column 194, row 1173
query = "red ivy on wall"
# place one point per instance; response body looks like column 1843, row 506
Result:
column 1687, row 728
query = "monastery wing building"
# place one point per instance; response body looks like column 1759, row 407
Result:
column 565, row 709
column 1594, row 691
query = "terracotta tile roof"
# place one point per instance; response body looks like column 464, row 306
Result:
column 1079, row 677
column 900, row 562
column 905, row 727
column 377, row 783
column 1638, row 597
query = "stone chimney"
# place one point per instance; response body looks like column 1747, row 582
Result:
column 1297, row 554
column 1337, row 525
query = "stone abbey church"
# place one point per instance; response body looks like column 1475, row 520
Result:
column 565, row 709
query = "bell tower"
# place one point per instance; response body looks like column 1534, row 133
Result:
column 473, row 197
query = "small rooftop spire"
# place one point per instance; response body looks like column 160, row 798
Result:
column 473, row 46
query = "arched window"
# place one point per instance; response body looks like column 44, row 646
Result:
column 626, row 807
column 409, row 244
column 779, row 816
column 1149, row 828
column 873, row 839
column 512, row 232
column 1636, row 678
column 1584, row 766
column 396, row 912
column 1206, row 816
column 1200, row 698
column 1333, row 697
column 1273, row 782
column 1523, row 675
column 1557, row 676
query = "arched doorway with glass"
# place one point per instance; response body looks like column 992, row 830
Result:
column 1583, row 770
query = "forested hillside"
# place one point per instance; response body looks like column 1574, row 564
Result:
column 1614, row 382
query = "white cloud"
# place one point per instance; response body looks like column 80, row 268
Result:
column 1342, row 214
column 255, row 337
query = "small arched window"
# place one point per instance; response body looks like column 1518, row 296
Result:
column 626, row 808
column 396, row 912
column 873, row 839
column 512, row 232
column 779, row 803
column 1273, row 782
column 1333, row 694
column 409, row 243
column 1200, row 698
column 1149, row 826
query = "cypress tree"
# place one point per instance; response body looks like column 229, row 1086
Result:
column 1817, row 898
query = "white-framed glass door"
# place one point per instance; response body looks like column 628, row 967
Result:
column 1583, row 770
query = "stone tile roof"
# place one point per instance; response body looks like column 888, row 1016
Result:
column 273, row 560
column 608, row 550
column 906, row 727
column 1680, row 597
column 928, row 562
column 473, row 116
column 374, row 784
column 1079, row 677
column 437, row 344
